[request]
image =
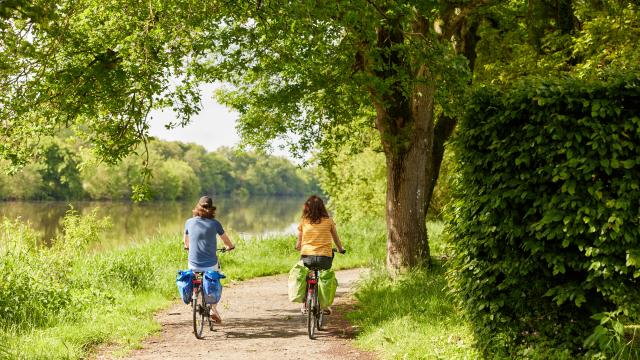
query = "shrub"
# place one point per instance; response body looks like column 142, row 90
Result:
column 546, row 226
column 34, row 280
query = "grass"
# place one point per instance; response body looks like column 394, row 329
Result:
column 77, row 300
column 62, row 302
column 412, row 316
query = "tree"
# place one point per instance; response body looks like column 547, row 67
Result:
column 317, row 69
column 97, row 67
column 326, row 69
column 319, row 73
column 59, row 172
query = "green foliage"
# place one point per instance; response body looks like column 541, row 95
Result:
column 34, row 286
column 178, row 171
column 357, row 185
column 174, row 179
column 104, row 182
column 545, row 228
column 63, row 301
column 611, row 340
column 412, row 316
column 59, row 172
column 586, row 38
column 25, row 183
column 95, row 67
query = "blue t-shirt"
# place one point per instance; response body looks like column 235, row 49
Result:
column 202, row 241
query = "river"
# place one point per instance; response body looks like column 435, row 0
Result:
column 241, row 217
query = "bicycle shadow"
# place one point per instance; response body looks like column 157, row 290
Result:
column 290, row 324
column 286, row 326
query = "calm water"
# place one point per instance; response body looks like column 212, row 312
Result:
column 262, row 216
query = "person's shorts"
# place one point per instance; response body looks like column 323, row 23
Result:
column 215, row 267
column 317, row 262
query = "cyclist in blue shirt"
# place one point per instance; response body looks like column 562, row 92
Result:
column 200, row 238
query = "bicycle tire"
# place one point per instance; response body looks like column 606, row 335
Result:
column 320, row 314
column 198, row 318
column 321, row 320
column 208, row 311
column 311, row 313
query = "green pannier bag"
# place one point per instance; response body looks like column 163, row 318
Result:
column 297, row 282
column 327, row 287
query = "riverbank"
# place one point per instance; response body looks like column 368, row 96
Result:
column 64, row 301
column 59, row 302
column 256, row 216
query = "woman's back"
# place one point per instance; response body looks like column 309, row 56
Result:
column 317, row 237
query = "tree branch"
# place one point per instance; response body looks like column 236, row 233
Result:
column 378, row 9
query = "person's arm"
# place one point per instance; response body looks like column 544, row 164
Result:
column 299, row 242
column 227, row 242
column 336, row 239
column 185, row 239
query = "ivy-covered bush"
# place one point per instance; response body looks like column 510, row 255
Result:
column 546, row 223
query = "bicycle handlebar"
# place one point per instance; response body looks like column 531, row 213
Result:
column 222, row 250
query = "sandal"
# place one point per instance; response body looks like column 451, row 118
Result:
column 215, row 317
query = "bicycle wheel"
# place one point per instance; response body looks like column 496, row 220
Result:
column 312, row 304
column 198, row 313
column 210, row 323
column 321, row 320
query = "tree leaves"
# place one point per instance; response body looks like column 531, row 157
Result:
column 567, row 248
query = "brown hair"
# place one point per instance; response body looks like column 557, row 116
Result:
column 204, row 208
column 314, row 210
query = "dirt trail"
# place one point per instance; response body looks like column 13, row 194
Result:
column 259, row 322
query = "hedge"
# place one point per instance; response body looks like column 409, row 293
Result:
column 545, row 226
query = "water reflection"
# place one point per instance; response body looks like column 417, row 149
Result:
column 261, row 216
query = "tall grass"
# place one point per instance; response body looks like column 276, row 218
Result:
column 412, row 317
column 60, row 302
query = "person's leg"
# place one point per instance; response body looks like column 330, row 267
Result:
column 215, row 316
column 325, row 263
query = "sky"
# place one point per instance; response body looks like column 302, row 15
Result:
column 212, row 128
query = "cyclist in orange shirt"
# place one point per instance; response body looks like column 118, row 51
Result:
column 316, row 232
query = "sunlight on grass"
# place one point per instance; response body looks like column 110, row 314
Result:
column 412, row 317
column 110, row 297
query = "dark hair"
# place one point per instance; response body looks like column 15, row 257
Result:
column 314, row 210
column 204, row 208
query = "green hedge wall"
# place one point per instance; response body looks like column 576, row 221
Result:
column 546, row 226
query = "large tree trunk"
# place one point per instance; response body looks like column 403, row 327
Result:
column 413, row 146
column 407, row 186
column 406, row 126
column 406, row 129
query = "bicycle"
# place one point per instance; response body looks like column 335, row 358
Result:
column 315, row 315
column 199, row 306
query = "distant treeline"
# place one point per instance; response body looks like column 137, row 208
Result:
column 66, row 171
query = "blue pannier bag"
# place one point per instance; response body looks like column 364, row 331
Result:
column 184, row 280
column 212, row 286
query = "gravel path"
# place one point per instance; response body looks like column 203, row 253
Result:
column 259, row 322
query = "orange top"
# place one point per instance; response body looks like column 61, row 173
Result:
column 316, row 238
